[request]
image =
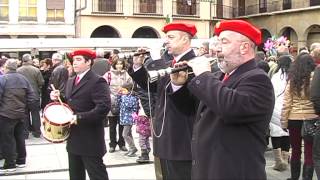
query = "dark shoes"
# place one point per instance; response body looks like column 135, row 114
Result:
column 112, row 150
column 132, row 152
column 7, row 169
column 21, row 163
column 36, row 134
column 144, row 158
column 123, row 148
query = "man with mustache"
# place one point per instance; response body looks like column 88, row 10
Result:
column 229, row 132
column 175, row 108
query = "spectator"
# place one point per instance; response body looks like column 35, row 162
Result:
column 36, row 80
column 16, row 95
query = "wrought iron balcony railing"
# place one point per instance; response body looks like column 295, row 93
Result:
column 274, row 6
column 185, row 8
column 222, row 12
column 107, row 6
column 147, row 7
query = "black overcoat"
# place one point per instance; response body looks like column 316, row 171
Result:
column 90, row 101
column 231, row 123
column 176, row 115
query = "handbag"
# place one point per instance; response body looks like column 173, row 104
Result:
column 115, row 109
column 310, row 127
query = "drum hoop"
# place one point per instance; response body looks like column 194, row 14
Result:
column 53, row 123
column 53, row 141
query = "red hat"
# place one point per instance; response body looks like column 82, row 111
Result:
column 189, row 28
column 240, row 26
column 83, row 52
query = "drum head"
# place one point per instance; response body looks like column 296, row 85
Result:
column 57, row 114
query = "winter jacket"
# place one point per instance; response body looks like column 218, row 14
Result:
column 296, row 108
column 33, row 75
column 59, row 78
column 279, row 82
column 116, row 79
column 16, row 95
column 128, row 105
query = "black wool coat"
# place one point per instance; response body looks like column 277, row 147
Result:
column 176, row 115
column 90, row 101
column 231, row 123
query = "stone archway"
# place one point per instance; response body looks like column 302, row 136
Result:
column 291, row 35
column 105, row 31
column 145, row 32
column 312, row 34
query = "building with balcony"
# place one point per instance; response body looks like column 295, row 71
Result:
column 37, row 19
column 298, row 20
column 143, row 18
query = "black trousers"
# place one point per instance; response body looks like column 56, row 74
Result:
column 93, row 164
column 12, row 141
column 113, row 122
column 281, row 142
column 35, row 123
column 178, row 170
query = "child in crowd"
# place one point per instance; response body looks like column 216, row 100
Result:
column 128, row 103
column 143, row 129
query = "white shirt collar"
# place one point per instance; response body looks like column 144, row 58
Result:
column 82, row 74
column 181, row 55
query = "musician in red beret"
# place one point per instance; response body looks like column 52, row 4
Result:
column 88, row 95
column 235, row 107
column 175, row 109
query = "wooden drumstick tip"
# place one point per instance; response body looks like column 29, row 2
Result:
column 52, row 86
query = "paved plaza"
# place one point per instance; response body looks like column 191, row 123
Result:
column 49, row 161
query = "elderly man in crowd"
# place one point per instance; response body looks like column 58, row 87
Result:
column 235, row 109
column 36, row 80
column 59, row 75
column 16, row 95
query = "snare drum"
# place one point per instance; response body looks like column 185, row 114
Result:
column 56, row 122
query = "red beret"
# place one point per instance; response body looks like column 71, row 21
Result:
column 240, row 26
column 189, row 28
column 83, row 52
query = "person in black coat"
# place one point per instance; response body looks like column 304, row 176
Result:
column 175, row 107
column 88, row 96
column 229, row 132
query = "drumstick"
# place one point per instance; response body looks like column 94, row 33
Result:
column 59, row 99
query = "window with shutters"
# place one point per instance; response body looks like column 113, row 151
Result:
column 4, row 10
column 28, row 10
column 314, row 2
column 148, row 6
column 262, row 6
column 286, row 4
column 187, row 7
column 55, row 10
column 107, row 5
column 241, row 7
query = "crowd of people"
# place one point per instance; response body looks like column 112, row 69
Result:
column 211, row 120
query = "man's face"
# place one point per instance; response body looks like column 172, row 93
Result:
column 54, row 61
column 175, row 42
column 228, row 51
column 80, row 65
